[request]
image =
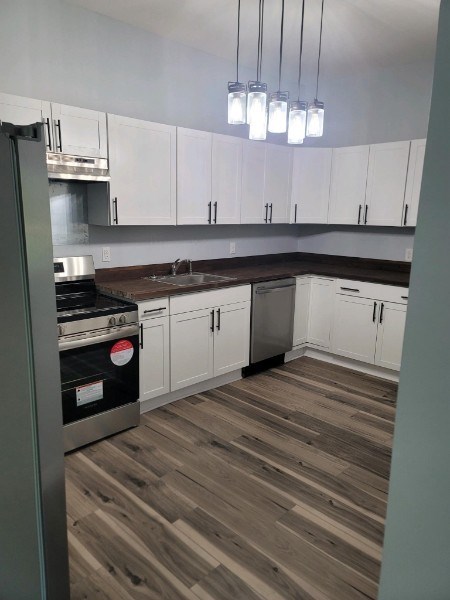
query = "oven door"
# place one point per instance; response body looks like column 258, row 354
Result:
column 99, row 371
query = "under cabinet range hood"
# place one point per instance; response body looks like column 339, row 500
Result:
column 81, row 168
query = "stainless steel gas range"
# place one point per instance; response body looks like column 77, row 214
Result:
column 99, row 355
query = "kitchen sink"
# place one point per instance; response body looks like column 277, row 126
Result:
column 190, row 279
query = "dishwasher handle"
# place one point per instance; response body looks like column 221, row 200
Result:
column 277, row 289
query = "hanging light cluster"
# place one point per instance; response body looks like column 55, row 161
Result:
column 250, row 105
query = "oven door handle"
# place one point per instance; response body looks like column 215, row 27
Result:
column 79, row 340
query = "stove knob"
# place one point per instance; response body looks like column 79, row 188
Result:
column 122, row 319
column 112, row 321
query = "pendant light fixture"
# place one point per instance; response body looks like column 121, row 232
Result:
column 279, row 100
column 237, row 92
column 297, row 108
column 257, row 91
column 314, row 119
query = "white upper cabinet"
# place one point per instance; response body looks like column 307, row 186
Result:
column 386, row 180
column 79, row 131
column 24, row 111
column 253, row 178
column 277, row 184
column 194, row 149
column 142, row 161
column 413, row 182
column 226, row 179
column 348, row 185
column 311, row 174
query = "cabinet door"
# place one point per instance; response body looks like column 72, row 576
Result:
column 154, row 359
column 277, row 184
column 191, row 348
column 226, row 178
column 143, row 171
column 232, row 338
column 320, row 312
column 391, row 330
column 193, row 176
column 24, row 111
column 253, row 176
column 413, row 182
column 355, row 328
column 386, row 181
column 311, row 175
column 301, row 314
column 348, row 184
column 79, row 131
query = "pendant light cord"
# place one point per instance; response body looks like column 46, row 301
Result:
column 281, row 44
column 238, row 38
column 320, row 50
column 259, row 41
column 301, row 50
column 261, row 38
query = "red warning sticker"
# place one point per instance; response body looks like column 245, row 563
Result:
column 122, row 352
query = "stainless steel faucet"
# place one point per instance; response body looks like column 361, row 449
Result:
column 178, row 262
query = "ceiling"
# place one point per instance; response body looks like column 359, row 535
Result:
column 357, row 34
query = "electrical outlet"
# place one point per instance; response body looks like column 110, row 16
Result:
column 232, row 247
column 106, row 254
column 409, row 254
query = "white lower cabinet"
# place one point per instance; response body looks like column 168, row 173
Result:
column 301, row 314
column 320, row 312
column 370, row 329
column 212, row 340
column 355, row 328
column 154, row 354
column 391, row 329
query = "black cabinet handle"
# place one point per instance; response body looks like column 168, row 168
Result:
column 209, row 212
column 374, row 312
column 215, row 212
column 58, row 126
column 406, row 214
column 49, row 134
column 212, row 320
column 349, row 289
column 218, row 319
column 267, row 212
column 271, row 211
column 115, row 212
column 404, row 297
column 365, row 215
column 141, row 343
column 154, row 310
column 295, row 214
column 359, row 214
column 381, row 312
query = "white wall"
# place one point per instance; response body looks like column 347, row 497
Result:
column 149, row 245
column 371, row 242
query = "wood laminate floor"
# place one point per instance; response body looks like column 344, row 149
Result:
column 272, row 487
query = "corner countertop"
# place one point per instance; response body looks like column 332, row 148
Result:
column 129, row 282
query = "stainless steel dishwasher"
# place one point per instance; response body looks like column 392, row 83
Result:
column 273, row 304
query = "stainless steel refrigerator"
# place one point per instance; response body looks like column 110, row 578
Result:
column 33, row 535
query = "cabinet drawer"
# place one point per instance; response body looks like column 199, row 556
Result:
column 151, row 309
column 376, row 291
column 201, row 300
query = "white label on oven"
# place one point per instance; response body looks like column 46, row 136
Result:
column 122, row 352
column 89, row 393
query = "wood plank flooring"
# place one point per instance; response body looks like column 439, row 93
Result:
column 272, row 487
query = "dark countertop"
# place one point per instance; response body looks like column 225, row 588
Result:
column 129, row 283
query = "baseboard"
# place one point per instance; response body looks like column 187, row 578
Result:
column 191, row 390
column 342, row 361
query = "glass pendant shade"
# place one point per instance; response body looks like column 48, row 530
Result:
column 314, row 119
column 256, row 100
column 258, row 123
column 237, row 103
column 278, row 108
column 297, row 122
